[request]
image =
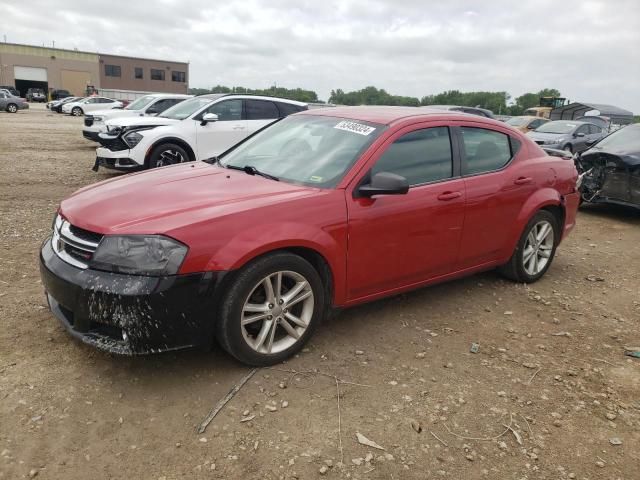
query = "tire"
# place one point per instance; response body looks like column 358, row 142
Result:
column 568, row 148
column 12, row 108
column 521, row 269
column 168, row 154
column 76, row 111
column 273, row 336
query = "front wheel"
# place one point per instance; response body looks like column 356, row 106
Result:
column 167, row 154
column 568, row 148
column 535, row 250
column 76, row 111
column 12, row 108
column 270, row 309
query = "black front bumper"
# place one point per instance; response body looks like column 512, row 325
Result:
column 131, row 314
column 93, row 136
column 120, row 164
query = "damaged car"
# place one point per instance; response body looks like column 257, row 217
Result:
column 325, row 208
column 610, row 170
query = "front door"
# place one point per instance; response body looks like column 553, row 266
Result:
column 397, row 241
column 213, row 138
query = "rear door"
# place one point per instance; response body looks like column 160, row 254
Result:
column 213, row 138
column 260, row 113
column 496, row 189
column 581, row 138
column 399, row 240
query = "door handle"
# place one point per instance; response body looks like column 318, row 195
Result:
column 238, row 127
column 449, row 196
column 523, row 180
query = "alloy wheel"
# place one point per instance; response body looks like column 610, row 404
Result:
column 169, row 157
column 277, row 312
column 538, row 247
column 12, row 108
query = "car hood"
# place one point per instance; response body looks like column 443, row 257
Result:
column 169, row 198
column 115, row 112
column 546, row 136
column 138, row 121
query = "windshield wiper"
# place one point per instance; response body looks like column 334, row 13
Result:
column 251, row 170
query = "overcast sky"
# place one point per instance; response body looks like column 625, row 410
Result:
column 586, row 49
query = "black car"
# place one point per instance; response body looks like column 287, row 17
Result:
column 611, row 169
column 11, row 89
column 59, row 94
column 56, row 106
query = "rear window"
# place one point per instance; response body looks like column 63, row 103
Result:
column 485, row 150
column 288, row 108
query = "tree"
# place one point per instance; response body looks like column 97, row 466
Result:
column 299, row 94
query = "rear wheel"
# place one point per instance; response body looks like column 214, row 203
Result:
column 568, row 148
column 12, row 108
column 167, row 154
column 271, row 309
column 76, row 111
column 535, row 250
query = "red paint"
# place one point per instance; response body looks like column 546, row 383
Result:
column 373, row 246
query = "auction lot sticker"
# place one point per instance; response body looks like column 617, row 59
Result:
column 354, row 127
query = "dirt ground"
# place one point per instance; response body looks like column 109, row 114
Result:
column 550, row 366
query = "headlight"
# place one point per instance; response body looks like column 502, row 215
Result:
column 132, row 139
column 153, row 255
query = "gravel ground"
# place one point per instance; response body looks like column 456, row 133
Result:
column 550, row 366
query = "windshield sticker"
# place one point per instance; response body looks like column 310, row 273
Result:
column 354, row 127
column 315, row 179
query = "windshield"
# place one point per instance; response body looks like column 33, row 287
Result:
column 557, row 127
column 306, row 149
column 516, row 121
column 140, row 103
column 626, row 138
column 185, row 109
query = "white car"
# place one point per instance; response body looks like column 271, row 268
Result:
column 148, row 105
column 196, row 129
column 90, row 104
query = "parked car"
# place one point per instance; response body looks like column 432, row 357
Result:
column 60, row 94
column 325, row 208
column 526, row 123
column 195, row 129
column 569, row 135
column 56, row 105
column 12, row 103
column 611, row 169
column 149, row 105
column 12, row 90
column 90, row 104
column 36, row 95
column 482, row 112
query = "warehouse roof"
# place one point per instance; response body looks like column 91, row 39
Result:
column 578, row 109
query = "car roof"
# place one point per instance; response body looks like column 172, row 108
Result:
column 387, row 115
column 215, row 96
column 167, row 95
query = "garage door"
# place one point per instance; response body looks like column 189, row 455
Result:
column 30, row 73
column 76, row 82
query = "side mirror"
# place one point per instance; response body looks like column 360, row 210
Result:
column 384, row 183
column 579, row 135
column 209, row 117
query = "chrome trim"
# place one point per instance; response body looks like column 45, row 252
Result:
column 62, row 235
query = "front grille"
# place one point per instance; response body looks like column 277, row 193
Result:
column 115, row 144
column 74, row 245
column 88, row 120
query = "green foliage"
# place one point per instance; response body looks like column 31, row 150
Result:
column 298, row 94
column 494, row 101
column 371, row 96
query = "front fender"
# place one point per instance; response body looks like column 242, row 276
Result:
column 251, row 243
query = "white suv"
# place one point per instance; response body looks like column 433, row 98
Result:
column 196, row 129
column 148, row 105
column 90, row 104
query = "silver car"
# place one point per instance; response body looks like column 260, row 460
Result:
column 570, row 135
column 11, row 103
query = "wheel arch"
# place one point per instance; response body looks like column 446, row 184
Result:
column 176, row 140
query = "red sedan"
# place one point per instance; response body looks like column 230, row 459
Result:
column 325, row 208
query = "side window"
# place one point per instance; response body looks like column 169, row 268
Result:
column 485, row 150
column 583, row 129
column 535, row 124
column 594, row 129
column 421, row 157
column 287, row 108
column 106, row 100
column 261, row 110
column 226, row 110
column 160, row 106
